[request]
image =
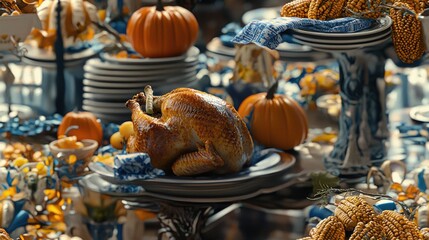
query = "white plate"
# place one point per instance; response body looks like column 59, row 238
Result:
column 103, row 104
column 108, row 110
column 342, row 41
column 112, row 91
column 339, row 47
column 109, row 98
column 114, row 85
column 128, row 86
column 52, row 65
column 192, row 52
column 381, row 25
column 420, row 113
column 114, row 117
column 155, row 79
column 289, row 47
column 261, row 14
column 98, row 63
column 157, row 72
column 123, row 96
column 38, row 54
column 216, row 46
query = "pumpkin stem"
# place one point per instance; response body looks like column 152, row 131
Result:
column 70, row 128
column 272, row 90
column 159, row 6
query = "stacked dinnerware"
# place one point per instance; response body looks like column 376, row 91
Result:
column 109, row 82
column 269, row 172
column 379, row 33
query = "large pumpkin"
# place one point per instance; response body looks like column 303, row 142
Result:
column 274, row 120
column 76, row 22
column 159, row 31
column 88, row 126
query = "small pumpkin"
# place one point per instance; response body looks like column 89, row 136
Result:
column 158, row 31
column 274, row 120
column 88, row 126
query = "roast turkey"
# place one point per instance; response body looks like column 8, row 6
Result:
column 188, row 132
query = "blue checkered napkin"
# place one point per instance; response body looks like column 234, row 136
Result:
column 268, row 33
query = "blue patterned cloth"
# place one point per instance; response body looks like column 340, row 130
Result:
column 135, row 166
column 268, row 33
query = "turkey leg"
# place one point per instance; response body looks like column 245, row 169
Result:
column 205, row 159
column 152, row 103
column 142, row 122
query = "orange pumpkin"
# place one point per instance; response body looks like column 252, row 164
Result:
column 88, row 126
column 274, row 120
column 159, row 31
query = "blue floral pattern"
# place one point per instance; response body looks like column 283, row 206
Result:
column 135, row 166
column 120, row 189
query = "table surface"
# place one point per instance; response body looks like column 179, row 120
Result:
column 280, row 215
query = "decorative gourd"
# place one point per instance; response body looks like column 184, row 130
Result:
column 77, row 17
column 159, row 31
column 88, row 126
column 274, row 120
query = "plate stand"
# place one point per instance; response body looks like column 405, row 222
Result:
column 363, row 123
column 182, row 222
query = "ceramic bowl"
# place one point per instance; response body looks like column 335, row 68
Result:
column 89, row 147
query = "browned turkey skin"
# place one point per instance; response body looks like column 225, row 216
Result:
column 189, row 133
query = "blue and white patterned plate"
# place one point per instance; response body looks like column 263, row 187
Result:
column 95, row 183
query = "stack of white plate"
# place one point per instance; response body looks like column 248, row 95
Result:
column 379, row 33
column 109, row 83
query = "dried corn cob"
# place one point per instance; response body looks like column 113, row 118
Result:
column 397, row 226
column 352, row 210
column 364, row 8
column 296, row 8
column 326, row 9
column 371, row 230
column 416, row 6
column 425, row 233
column 407, row 34
column 305, row 238
column 8, row 7
column 328, row 228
